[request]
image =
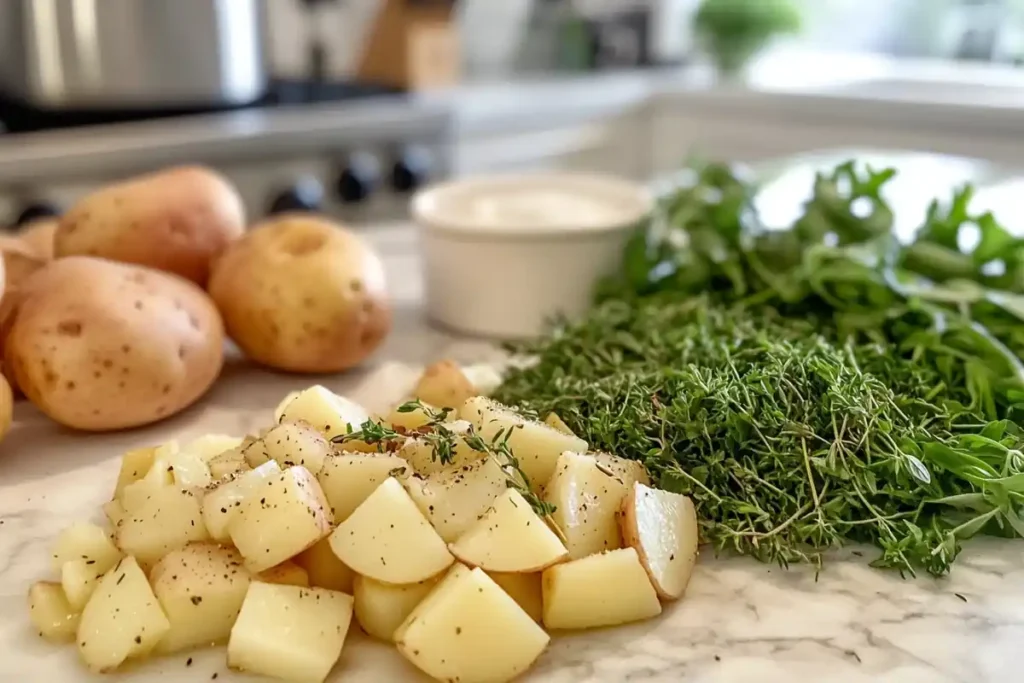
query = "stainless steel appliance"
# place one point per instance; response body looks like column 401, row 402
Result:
column 118, row 54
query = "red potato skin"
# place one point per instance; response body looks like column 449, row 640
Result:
column 300, row 293
column 98, row 345
column 178, row 221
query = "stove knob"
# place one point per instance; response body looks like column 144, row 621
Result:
column 411, row 171
column 359, row 179
column 35, row 211
column 307, row 194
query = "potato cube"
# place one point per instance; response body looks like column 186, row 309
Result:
column 228, row 463
column 454, row 499
column 388, row 539
column 290, row 632
column 324, row 568
column 114, row 512
column 50, row 613
column 287, row 574
column 534, row 444
column 419, row 451
column 333, row 415
column 510, row 537
column 201, row 588
column 411, row 419
column 556, row 423
column 662, row 527
column 79, row 579
column 601, row 590
column 122, row 619
column 587, row 498
column 209, row 446
column 469, row 630
column 381, row 608
column 189, row 470
column 629, row 471
column 291, row 443
column 134, row 466
column 444, row 385
column 348, row 479
column 88, row 542
column 170, row 518
column 484, row 377
column 223, row 500
column 285, row 515
column 525, row 589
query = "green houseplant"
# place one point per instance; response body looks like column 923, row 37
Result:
column 733, row 31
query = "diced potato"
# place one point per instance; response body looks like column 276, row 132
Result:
column 333, row 415
column 587, row 501
column 287, row 574
column 160, row 476
column 228, row 463
column 484, row 377
column 79, row 579
column 510, row 537
column 279, row 410
column 381, row 608
column 601, row 590
column 291, row 443
column 469, row 630
column 453, row 500
column 324, row 569
column 189, row 469
column 209, row 446
column 168, row 519
column 629, row 471
column 556, row 423
column 290, row 632
column 444, row 385
column 122, row 619
column 114, row 511
column 50, row 613
column 525, row 589
column 285, row 515
column 534, row 444
column 419, row 452
column 662, row 527
column 387, row 538
column 134, row 466
column 222, row 502
column 348, row 479
column 88, row 542
column 200, row 588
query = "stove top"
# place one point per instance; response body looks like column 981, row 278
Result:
column 17, row 116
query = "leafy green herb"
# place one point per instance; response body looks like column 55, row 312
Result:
column 807, row 387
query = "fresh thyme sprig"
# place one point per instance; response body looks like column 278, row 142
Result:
column 444, row 441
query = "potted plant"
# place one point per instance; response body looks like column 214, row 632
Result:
column 733, row 31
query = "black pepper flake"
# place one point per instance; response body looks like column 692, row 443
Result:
column 90, row 561
column 961, row 596
column 120, row 579
column 196, row 599
column 188, row 662
column 214, row 676
column 138, row 640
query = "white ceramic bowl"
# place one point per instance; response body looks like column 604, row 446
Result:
column 504, row 254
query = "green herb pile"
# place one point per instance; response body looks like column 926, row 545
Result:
column 808, row 387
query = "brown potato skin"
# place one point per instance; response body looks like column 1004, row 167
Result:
column 300, row 293
column 178, row 220
column 99, row 345
column 39, row 236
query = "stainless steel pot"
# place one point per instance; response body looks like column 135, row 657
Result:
column 127, row 54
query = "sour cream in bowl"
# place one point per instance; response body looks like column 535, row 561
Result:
column 505, row 254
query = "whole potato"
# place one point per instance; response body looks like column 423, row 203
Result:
column 300, row 293
column 99, row 345
column 177, row 220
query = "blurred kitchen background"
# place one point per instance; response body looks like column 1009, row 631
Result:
column 348, row 106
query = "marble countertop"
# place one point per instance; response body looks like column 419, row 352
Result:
column 741, row 621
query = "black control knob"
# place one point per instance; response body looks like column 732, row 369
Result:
column 35, row 211
column 411, row 171
column 306, row 194
column 358, row 179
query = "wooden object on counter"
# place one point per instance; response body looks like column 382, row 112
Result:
column 414, row 45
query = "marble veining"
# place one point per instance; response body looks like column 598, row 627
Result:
column 740, row 622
